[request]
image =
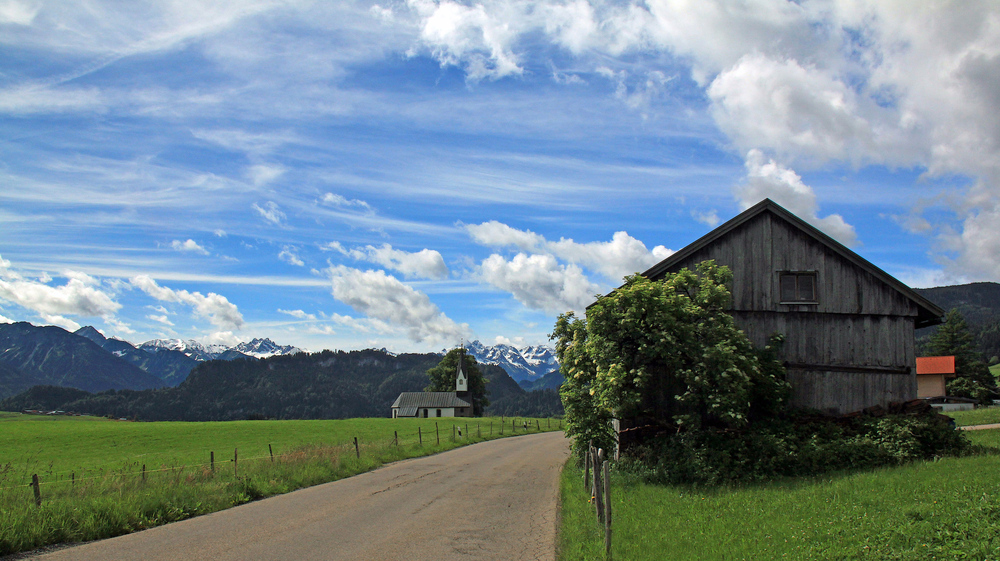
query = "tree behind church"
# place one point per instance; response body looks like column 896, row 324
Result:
column 442, row 378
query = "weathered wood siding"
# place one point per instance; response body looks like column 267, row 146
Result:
column 853, row 349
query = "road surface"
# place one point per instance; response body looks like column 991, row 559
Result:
column 493, row 500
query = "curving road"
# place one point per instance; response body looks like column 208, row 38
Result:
column 493, row 500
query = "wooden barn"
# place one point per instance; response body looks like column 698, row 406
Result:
column 848, row 325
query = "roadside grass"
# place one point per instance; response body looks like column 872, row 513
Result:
column 982, row 416
column 91, row 469
column 942, row 509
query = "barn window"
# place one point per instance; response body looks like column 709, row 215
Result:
column 438, row 412
column 798, row 287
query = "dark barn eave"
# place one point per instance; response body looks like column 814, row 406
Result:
column 928, row 313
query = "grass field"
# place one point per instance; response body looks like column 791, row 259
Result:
column 983, row 416
column 91, row 470
column 945, row 509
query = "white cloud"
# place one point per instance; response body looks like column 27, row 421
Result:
column 270, row 212
column 262, row 174
column 539, row 282
column 623, row 255
column 289, row 255
column 64, row 322
column 767, row 179
column 709, row 218
column 214, row 307
column 426, row 263
column 16, row 12
column 384, row 298
column 220, row 233
column 5, row 319
column 333, row 199
column 79, row 296
column 221, row 338
column 470, row 37
column 190, row 246
column 798, row 112
column 119, row 326
column 161, row 319
column 297, row 314
column 497, row 234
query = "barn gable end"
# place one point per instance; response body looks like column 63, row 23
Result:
column 850, row 345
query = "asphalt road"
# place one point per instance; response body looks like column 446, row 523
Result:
column 493, row 500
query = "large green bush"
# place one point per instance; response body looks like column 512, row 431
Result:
column 795, row 445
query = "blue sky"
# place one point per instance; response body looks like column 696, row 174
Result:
column 406, row 174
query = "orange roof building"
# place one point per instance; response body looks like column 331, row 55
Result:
column 931, row 374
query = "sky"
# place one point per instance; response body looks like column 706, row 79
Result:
column 409, row 174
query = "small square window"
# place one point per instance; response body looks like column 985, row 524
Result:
column 798, row 287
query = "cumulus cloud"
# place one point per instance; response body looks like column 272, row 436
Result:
column 270, row 212
column 299, row 314
column 767, row 179
column 709, row 218
column 119, row 326
column 539, row 281
column 81, row 295
column 384, row 298
column 61, row 321
column 623, row 255
column 213, row 307
column 289, row 255
column 221, row 338
column 426, row 263
column 190, row 246
column 333, row 199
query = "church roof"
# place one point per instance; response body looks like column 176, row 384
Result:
column 429, row 399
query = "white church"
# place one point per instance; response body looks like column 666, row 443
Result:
column 437, row 404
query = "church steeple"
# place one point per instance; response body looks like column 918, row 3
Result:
column 461, row 380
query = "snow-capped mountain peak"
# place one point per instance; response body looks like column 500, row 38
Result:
column 258, row 348
column 528, row 363
column 264, row 348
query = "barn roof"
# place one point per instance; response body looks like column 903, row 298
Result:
column 429, row 399
column 935, row 365
column 928, row 314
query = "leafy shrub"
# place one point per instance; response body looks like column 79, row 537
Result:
column 796, row 445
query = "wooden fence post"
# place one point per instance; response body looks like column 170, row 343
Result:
column 437, row 431
column 236, row 462
column 466, row 431
column 37, row 489
column 598, row 486
column 607, row 511
column 420, row 436
column 143, row 473
column 453, row 428
column 395, row 437
column 270, row 451
column 211, row 458
column 357, row 451
column 72, row 479
column 537, row 426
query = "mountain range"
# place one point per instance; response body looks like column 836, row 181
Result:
column 523, row 364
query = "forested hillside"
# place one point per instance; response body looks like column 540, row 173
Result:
column 52, row 355
column 326, row 385
column 979, row 304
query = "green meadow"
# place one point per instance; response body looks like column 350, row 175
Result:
column 100, row 478
column 982, row 416
column 943, row 509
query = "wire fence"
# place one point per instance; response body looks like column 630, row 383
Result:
column 231, row 466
